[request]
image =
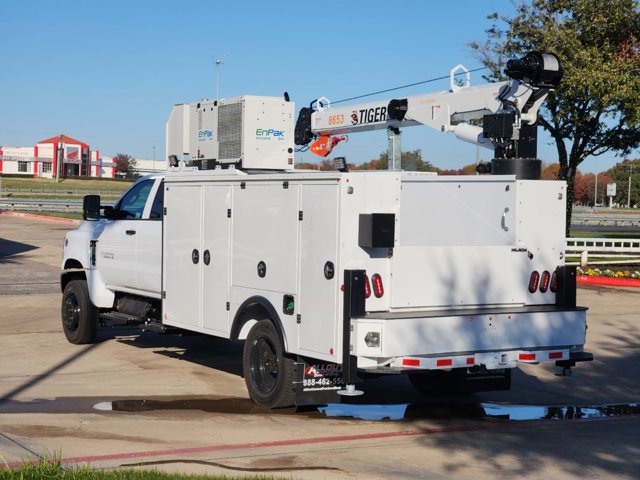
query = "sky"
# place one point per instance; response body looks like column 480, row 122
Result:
column 109, row 72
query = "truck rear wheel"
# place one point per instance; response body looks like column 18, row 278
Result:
column 79, row 315
column 268, row 373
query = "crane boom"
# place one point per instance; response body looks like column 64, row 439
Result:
column 508, row 111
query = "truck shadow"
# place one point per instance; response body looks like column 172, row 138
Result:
column 9, row 248
column 207, row 351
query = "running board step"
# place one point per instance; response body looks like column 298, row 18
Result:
column 118, row 318
column 157, row 327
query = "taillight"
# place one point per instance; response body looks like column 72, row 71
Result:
column 527, row 357
column 546, row 278
column 378, row 288
column 533, row 282
column 367, row 287
column 554, row 282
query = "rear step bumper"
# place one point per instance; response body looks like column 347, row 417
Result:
column 575, row 357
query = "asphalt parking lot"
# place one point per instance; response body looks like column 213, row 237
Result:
column 180, row 404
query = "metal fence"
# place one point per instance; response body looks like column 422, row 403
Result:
column 606, row 220
column 45, row 205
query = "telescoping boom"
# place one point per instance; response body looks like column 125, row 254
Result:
column 508, row 111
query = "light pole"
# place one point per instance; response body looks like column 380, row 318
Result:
column 218, row 63
column 154, row 157
column 629, row 192
column 59, row 167
column 595, row 202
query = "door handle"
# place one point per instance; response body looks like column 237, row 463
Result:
column 503, row 221
column 130, row 232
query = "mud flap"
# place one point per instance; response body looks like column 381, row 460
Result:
column 317, row 382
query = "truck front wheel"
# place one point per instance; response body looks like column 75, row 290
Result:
column 268, row 373
column 79, row 315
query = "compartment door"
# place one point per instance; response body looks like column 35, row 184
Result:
column 216, row 259
column 318, row 299
column 182, row 255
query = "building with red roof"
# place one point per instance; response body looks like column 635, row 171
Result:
column 64, row 156
column 59, row 156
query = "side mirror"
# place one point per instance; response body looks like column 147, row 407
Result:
column 109, row 213
column 91, row 207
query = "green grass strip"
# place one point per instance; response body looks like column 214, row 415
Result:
column 54, row 469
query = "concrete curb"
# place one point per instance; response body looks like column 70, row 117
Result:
column 41, row 217
column 608, row 281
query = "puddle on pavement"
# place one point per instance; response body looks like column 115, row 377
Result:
column 532, row 412
column 478, row 411
column 413, row 411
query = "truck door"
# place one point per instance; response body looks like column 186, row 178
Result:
column 149, row 244
column 117, row 245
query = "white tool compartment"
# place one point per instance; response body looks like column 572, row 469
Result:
column 459, row 243
column 285, row 238
column 474, row 241
column 196, row 256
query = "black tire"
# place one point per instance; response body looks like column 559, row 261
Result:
column 268, row 373
column 79, row 315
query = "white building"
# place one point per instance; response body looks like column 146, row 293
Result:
column 63, row 156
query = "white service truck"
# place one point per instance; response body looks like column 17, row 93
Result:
column 332, row 277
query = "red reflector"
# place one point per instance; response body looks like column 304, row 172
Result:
column 378, row 289
column 554, row 282
column 555, row 355
column 471, row 361
column 533, row 282
column 527, row 356
column 411, row 362
column 367, row 287
column 445, row 362
column 546, row 278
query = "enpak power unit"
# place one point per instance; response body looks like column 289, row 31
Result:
column 248, row 132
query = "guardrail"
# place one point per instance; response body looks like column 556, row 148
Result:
column 61, row 191
column 605, row 220
column 626, row 249
column 46, row 205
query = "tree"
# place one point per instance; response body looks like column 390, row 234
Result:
column 596, row 108
column 125, row 164
column 469, row 169
column 585, row 185
column 550, row 171
column 410, row 161
column 626, row 175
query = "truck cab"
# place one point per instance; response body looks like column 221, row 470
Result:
column 126, row 242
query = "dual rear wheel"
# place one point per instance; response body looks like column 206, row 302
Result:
column 268, row 372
